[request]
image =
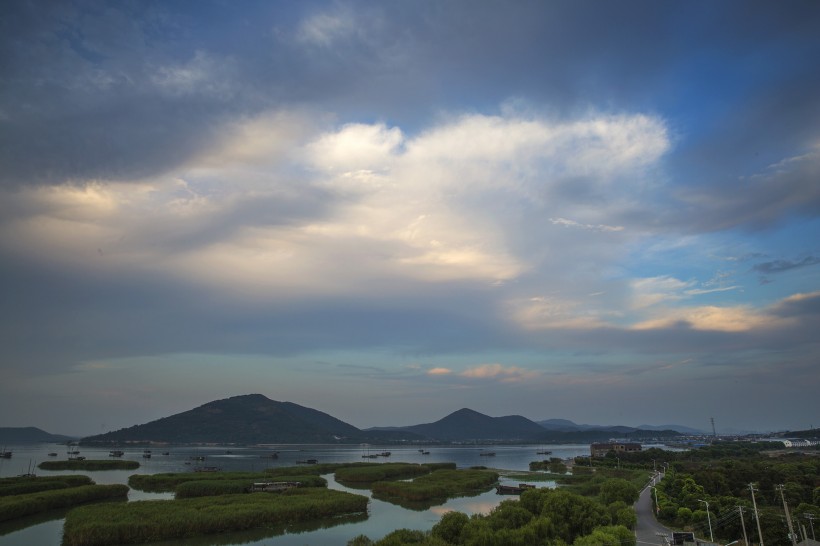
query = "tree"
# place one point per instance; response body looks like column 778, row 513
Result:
column 618, row 489
column 450, row 526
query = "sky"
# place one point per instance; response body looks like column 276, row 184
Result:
column 607, row 212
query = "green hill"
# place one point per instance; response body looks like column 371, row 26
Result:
column 247, row 419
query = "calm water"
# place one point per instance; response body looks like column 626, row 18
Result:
column 382, row 518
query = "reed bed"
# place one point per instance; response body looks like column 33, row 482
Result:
column 441, row 484
column 22, row 485
column 17, row 506
column 168, row 481
column 148, row 521
column 89, row 465
column 380, row 472
column 209, row 488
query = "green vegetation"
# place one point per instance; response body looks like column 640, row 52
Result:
column 720, row 474
column 74, row 464
column 17, row 506
column 554, row 465
column 168, row 482
column 540, row 516
column 380, row 472
column 206, row 488
column 27, row 484
column 147, row 521
column 438, row 485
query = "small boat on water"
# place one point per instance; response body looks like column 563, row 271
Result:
column 487, row 454
column 52, row 454
column 512, row 489
column 308, row 461
column 116, row 453
column 425, row 452
column 5, row 454
column 207, row 469
column 544, row 452
column 274, row 455
column 166, row 452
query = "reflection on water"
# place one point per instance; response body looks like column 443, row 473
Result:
column 383, row 517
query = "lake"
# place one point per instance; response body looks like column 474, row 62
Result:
column 383, row 517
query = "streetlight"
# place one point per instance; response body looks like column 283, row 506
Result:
column 657, row 507
column 709, row 519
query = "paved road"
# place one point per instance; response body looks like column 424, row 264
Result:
column 648, row 530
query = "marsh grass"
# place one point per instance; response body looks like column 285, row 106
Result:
column 17, row 506
column 205, row 488
column 89, row 465
column 148, row 521
column 439, row 485
column 380, row 472
column 23, row 485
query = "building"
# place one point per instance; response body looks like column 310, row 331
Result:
column 600, row 450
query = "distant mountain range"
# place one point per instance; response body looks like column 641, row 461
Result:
column 255, row 419
column 568, row 426
column 30, row 435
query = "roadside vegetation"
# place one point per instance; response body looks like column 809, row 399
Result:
column 89, row 465
column 721, row 475
column 148, row 521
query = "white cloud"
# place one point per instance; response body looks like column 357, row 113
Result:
column 277, row 208
column 505, row 374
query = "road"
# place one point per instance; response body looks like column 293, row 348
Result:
column 648, row 530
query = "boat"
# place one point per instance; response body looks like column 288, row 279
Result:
column 5, row 454
column 308, row 461
column 52, row 454
column 207, row 469
column 544, row 452
column 384, row 454
column 487, row 454
column 116, row 453
column 274, row 455
column 425, row 452
column 166, row 452
column 273, row 486
column 512, row 489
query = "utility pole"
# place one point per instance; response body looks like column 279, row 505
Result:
column 809, row 516
column 757, row 516
column 792, row 536
column 743, row 525
column 714, row 432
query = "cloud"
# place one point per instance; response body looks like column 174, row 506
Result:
column 439, row 371
column 779, row 266
column 505, row 374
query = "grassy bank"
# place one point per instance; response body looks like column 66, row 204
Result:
column 102, row 464
column 17, row 506
column 148, row 521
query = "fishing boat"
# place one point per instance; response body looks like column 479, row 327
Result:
column 5, row 454
column 116, row 453
column 544, row 452
column 487, row 454
column 512, row 489
column 207, row 469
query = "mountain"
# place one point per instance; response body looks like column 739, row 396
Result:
column 30, row 435
column 677, row 428
column 566, row 425
column 468, row 425
column 247, row 419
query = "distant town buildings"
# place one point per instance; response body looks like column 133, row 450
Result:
column 600, row 450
